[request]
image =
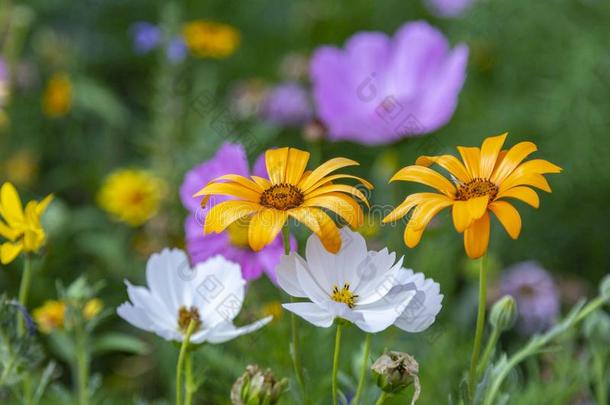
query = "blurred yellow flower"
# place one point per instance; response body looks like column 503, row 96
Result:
column 131, row 196
column 21, row 168
column 209, row 39
column 273, row 309
column 22, row 228
column 57, row 97
column 92, row 308
column 52, row 314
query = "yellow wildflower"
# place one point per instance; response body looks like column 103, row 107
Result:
column 209, row 39
column 92, row 308
column 22, row 228
column 50, row 315
column 131, row 196
column 57, row 97
column 21, row 168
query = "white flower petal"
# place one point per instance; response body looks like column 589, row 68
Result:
column 425, row 305
column 287, row 277
column 165, row 275
column 217, row 290
column 383, row 313
column 157, row 310
column 227, row 331
column 380, row 277
column 335, row 269
column 315, row 290
column 139, row 318
column 312, row 313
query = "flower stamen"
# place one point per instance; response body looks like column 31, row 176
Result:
column 186, row 315
column 344, row 295
column 476, row 187
column 282, row 197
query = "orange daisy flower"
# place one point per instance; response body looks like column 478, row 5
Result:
column 481, row 182
column 290, row 191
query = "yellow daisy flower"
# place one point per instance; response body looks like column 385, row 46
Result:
column 57, row 97
column 209, row 39
column 50, row 315
column 21, row 227
column 480, row 184
column 290, row 192
column 132, row 196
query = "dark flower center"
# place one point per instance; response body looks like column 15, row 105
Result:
column 476, row 188
column 282, row 197
column 185, row 316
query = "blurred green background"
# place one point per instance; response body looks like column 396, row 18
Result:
column 540, row 70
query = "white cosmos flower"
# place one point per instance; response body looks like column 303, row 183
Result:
column 369, row 289
column 211, row 294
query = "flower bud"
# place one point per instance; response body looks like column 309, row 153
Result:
column 604, row 288
column 257, row 387
column 503, row 313
column 395, row 371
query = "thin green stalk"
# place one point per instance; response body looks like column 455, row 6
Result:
column 190, row 384
column 491, row 344
column 363, row 368
column 384, row 395
column 24, row 291
column 82, row 368
column 181, row 357
column 336, row 363
column 295, row 352
column 601, row 387
column 478, row 337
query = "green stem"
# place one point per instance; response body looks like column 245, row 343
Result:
column 82, row 368
column 24, row 291
column 190, row 384
column 181, row 357
column 384, row 395
column 601, row 387
column 336, row 362
column 363, row 368
column 491, row 344
column 478, row 337
column 295, row 352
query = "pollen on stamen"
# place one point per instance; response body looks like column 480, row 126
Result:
column 282, row 197
column 344, row 295
column 476, row 188
column 185, row 316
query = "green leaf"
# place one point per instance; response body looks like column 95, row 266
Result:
column 119, row 342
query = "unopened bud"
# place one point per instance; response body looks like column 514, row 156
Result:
column 395, row 371
column 503, row 313
column 257, row 387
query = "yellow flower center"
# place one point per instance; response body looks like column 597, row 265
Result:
column 282, row 197
column 476, row 188
column 344, row 295
column 238, row 233
column 185, row 316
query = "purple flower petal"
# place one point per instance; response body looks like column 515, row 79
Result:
column 380, row 89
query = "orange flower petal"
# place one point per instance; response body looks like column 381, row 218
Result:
column 471, row 157
column 511, row 160
column 225, row 213
column 489, row 154
column 276, row 160
column 320, row 224
column 264, row 227
column 476, row 237
column 466, row 212
column 424, row 175
column 325, row 168
column 524, row 194
column 341, row 204
column 328, row 179
column 508, row 216
column 343, row 188
column 406, row 206
column 295, row 167
column 232, row 189
column 447, row 162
